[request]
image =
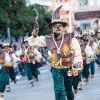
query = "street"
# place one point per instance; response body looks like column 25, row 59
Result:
column 43, row 90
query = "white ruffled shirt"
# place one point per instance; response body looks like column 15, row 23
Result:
column 40, row 41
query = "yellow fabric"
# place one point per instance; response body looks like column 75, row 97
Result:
column 56, row 62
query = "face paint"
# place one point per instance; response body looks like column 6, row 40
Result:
column 58, row 28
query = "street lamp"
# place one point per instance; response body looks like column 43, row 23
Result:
column 70, row 19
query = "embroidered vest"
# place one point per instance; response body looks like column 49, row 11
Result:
column 65, row 48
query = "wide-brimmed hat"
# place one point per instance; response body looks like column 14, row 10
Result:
column 26, row 37
column 85, row 33
column 56, row 18
column 6, row 43
column 25, row 40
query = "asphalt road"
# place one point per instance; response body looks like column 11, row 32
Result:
column 43, row 90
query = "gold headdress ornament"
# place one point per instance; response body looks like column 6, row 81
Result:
column 36, row 25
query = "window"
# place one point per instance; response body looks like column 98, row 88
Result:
column 58, row 0
column 83, row 2
column 98, row 2
column 91, row 2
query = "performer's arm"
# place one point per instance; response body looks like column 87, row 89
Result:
column 37, row 41
column 75, row 46
column 38, row 57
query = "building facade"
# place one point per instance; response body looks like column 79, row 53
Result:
column 85, row 6
column 65, row 8
column 46, row 3
column 77, row 6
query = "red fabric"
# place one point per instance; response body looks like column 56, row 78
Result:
column 84, row 62
column 21, row 58
column 72, row 36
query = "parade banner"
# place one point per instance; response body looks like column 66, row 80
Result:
column 86, row 15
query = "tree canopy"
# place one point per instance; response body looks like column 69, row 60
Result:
column 20, row 18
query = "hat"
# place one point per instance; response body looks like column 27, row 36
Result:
column 85, row 33
column 56, row 18
column 78, row 32
column 6, row 43
column 26, row 40
column 26, row 37
column 48, row 20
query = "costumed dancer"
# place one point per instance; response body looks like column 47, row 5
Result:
column 10, row 70
column 65, row 53
column 19, row 54
column 91, row 48
column 98, row 48
column 4, row 61
column 79, row 37
column 31, row 58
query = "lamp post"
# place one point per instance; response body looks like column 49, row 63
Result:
column 70, row 19
column 8, row 33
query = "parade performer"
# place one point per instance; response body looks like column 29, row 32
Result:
column 79, row 37
column 98, row 48
column 91, row 48
column 31, row 58
column 10, row 70
column 65, row 53
column 4, row 61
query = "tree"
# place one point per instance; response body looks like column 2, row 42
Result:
column 20, row 18
column 9, row 10
column 30, row 15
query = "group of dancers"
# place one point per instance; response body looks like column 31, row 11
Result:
column 70, row 57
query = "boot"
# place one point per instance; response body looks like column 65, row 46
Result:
column 39, row 72
column 80, row 86
column 8, row 88
column 37, row 79
column 15, row 81
column 75, row 91
column 92, row 77
column 31, row 83
column 1, row 96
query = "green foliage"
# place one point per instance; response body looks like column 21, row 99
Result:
column 20, row 18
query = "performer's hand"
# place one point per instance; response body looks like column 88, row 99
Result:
column 8, row 64
column 49, row 58
column 29, row 61
column 37, row 60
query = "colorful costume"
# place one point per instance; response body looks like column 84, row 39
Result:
column 10, row 70
column 4, row 61
column 30, row 57
column 65, row 53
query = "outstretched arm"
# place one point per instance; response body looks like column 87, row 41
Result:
column 36, row 40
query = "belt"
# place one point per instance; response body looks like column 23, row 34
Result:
column 66, row 63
